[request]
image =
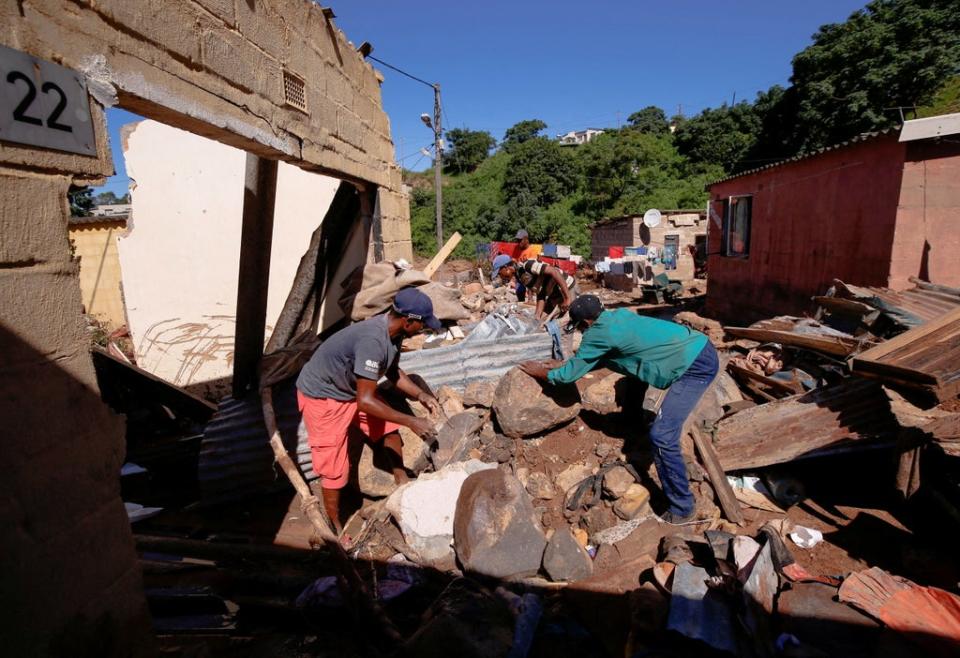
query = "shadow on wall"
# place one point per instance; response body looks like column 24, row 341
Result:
column 71, row 582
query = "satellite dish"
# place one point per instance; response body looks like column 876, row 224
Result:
column 651, row 218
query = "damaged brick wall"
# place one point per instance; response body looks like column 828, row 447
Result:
column 215, row 68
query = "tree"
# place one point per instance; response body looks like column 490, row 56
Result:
column 890, row 54
column 539, row 170
column 468, row 148
column 106, row 199
column 81, row 201
column 650, row 119
column 719, row 136
column 522, row 132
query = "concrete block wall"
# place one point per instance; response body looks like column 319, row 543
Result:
column 71, row 581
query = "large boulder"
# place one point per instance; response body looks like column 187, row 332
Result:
column 424, row 509
column 565, row 558
column 525, row 407
column 479, row 394
column 496, row 531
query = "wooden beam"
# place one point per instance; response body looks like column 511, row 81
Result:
column 908, row 337
column 728, row 500
column 442, row 255
column 834, row 345
column 259, row 196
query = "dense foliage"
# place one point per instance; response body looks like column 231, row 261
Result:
column 855, row 77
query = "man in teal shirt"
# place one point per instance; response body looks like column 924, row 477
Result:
column 660, row 353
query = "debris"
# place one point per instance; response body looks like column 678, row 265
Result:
column 496, row 531
column 927, row 616
column 565, row 559
column 745, row 551
column 604, row 396
column 571, row 476
column 749, row 490
column 471, row 288
column 450, row 401
column 539, row 486
column 759, row 592
column 616, row 481
column 137, row 512
column 634, row 503
column 616, row 533
column 524, row 407
column 806, row 537
column 466, row 620
column 374, row 475
column 728, row 501
column 927, row 357
column 799, row 332
column 424, row 509
column 785, row 489
column 479, row 394
column 699, row 612
column 810, row 612
column 835, row 418
column 528, row 609
column 712, row 328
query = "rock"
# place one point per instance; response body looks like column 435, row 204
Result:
column 523, row 407
column 373, row 474
column 565, row 558
column 471, row 288
column 712, row 328
column 634, row 503
column 539, row 486
column 602, row 397
column 616, row 481
column 456, row 438
column 499, row 450
column 582, row 537
column 496, row 530
column 450, row 401
column 571, row 476
column 479, row 394
column 452, row 623
column 487, row 433
column 424, row 509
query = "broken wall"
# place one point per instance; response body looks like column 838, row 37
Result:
column 829, row 216
column 631, row 232
column 181, row 251
column 215, row 68
column 926, row 243
column 95, row 246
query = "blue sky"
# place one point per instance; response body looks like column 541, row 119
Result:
column 572, row 64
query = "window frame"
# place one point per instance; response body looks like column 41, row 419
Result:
column 729, row 205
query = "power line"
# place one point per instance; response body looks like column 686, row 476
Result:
column 402, row 72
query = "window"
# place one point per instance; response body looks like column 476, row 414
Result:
column 736, row 225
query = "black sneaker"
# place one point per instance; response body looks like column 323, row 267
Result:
column 675, row 519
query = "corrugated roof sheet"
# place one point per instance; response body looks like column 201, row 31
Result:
column 863, row 137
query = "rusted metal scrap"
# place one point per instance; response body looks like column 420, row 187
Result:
column 851, row 414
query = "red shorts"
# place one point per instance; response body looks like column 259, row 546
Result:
column 328, row 423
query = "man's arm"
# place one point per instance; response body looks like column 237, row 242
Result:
column 409, row 388
column 369, row 402
column 592, row 350
column 557, row 275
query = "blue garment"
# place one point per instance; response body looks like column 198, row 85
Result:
column 554, row 330
column 665, row 433
column 500, row 261
column 521, row 292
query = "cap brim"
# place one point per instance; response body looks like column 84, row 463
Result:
column 432, row 322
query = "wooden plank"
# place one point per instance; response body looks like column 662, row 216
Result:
column 834, row 345
column 907, row 337
column 442, row 255
column 778, row 384
column 841, row 305
column 728, row 500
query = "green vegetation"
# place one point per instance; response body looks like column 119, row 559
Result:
column 852, row 79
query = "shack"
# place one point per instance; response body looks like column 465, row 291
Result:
column 872, row 211
column 678, row 231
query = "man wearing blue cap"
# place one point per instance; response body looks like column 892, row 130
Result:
column 660, row 353
column 337, row 390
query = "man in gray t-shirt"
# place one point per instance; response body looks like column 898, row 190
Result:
column 337, row 389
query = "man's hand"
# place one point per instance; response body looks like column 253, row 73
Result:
column 423, row 428
column 535, row 369
column 565, row 305
column 430, row 403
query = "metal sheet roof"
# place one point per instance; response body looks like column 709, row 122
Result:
column 929, row 127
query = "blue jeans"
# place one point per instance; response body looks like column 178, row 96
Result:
column 665, row 433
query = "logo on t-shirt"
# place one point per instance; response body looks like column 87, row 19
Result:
column 373, row 366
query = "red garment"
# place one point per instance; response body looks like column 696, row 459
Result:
column 616, row 252
column 566, row 266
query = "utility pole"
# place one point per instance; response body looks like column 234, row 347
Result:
column 437, row 162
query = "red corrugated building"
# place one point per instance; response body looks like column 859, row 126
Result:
column 875, row 211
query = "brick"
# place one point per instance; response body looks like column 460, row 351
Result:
column 222, row 9
column 172, row 24
column 398, row 250
column 349, row 128
column 34, row 220
column 233, row 58
column 394, row 229
column 261, row 26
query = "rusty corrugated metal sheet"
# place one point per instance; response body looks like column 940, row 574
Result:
column 924, row 304
column 235, row 456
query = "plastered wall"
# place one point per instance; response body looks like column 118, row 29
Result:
column 95, row 245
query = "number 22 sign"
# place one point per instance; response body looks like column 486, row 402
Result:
column 44, row 104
